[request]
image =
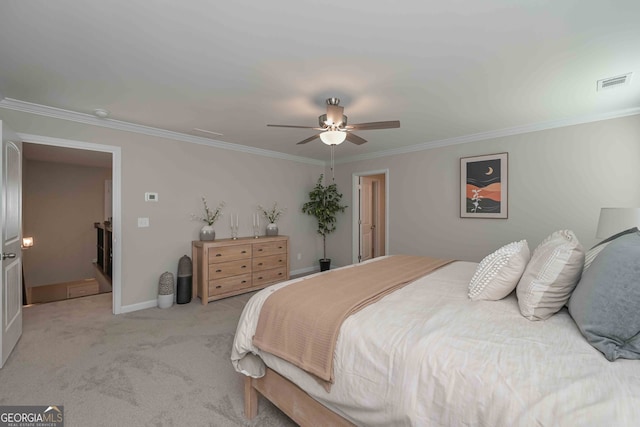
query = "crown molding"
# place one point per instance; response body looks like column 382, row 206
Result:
column 535, row 127
column 59, row 113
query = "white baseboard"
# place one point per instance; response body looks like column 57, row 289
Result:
column 139, row 306
column 304, row 271
column 154, row 303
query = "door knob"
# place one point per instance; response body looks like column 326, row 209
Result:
column 8, row 255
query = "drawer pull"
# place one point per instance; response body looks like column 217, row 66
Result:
column 260, row 250
column 244, row 281
column 260, row 278
column 218, row 287
column 244, row 266
column 218, row 271
column 218, row 254
column 279, row 274
column 260, row 263
column 243, row 252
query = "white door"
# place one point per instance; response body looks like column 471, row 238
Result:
column 10, row 236
column 366, row 219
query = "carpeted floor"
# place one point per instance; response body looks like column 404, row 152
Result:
column 152, row 367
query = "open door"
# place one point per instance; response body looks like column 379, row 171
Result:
column 366, row 219
column 10, row 238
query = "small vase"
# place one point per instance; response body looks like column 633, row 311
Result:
column 272, row 229
column 207, row 233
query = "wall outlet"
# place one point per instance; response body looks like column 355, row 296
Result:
column 299, row 257
column 143, row 222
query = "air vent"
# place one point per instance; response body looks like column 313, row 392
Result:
column 613, row 82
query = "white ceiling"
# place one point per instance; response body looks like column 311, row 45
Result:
column 445, row 69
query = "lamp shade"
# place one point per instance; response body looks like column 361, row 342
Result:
column 615, row 220
column 333, row 137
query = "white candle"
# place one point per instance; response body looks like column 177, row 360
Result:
column 237, row 220
column 231, row 219
column 258, row 220
column 254, row 220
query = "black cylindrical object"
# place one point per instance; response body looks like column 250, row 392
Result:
column 185, row 277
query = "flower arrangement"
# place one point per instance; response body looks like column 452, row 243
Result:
column 272, row 214
column 210, row 216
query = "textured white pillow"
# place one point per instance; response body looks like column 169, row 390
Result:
column 551, row 275
column 498, row 273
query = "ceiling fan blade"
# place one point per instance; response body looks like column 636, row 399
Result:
column 375, row 125
column 292, row 126
column 355, row 139
column 334, row 114
column 311, row 138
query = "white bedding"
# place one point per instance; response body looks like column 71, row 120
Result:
column 426, row 355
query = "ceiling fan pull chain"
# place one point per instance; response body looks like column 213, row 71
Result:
column 332, row 161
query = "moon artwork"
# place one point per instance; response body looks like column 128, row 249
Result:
column 484, row 187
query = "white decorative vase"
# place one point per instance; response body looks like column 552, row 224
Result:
column 165, row 301
column 166, row 291
column 207, row 233
column 272, row 229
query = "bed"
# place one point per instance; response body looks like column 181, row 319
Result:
column 428, row 354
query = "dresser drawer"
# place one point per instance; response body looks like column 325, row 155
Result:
column 269, row 248
column 229, row 253
column 230, row 268
column 229, row 284
column 269, row 262
column 261, row 278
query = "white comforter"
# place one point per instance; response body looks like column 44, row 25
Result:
column 426, row 355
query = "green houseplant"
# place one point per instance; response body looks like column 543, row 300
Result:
column 324, row 204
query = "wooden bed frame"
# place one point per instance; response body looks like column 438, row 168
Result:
column 291, row 400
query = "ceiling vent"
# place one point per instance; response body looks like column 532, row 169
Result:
column 613, row 82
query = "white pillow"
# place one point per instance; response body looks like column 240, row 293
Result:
column 551, row 275
column 498, row 273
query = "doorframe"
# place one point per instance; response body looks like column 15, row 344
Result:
column 116, row 224
column 355, row 242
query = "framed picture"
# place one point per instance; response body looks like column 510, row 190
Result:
column 483, row 186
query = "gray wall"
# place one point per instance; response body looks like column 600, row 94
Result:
column 558, row 178
column 60, row 203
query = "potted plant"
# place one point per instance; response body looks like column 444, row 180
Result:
column 210, row 217
column 324, row 204
column 272, row 216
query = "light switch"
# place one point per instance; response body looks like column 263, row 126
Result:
column 143, row 222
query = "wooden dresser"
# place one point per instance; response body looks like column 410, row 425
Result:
column 227, row 267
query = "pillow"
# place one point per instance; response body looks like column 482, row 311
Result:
column 550, row 276
column 498, row 273
column 605, row 304
column 594, row 251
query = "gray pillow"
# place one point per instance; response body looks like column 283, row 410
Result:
column 606, row 303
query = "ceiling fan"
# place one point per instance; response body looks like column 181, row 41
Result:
column 334, row 128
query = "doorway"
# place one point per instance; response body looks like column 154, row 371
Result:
column 370, row 216
column 80, row 148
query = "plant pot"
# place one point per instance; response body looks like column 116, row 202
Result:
column 207, row 233
column 325, row 264
column 272, row 229
column 165, row 301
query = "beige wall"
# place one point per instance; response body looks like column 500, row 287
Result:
column 558, row 178
column 60, row 204
column 181, row 173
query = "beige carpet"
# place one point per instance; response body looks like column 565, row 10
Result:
column 153, row 367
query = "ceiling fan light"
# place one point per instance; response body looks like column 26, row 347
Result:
column 333, row 137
